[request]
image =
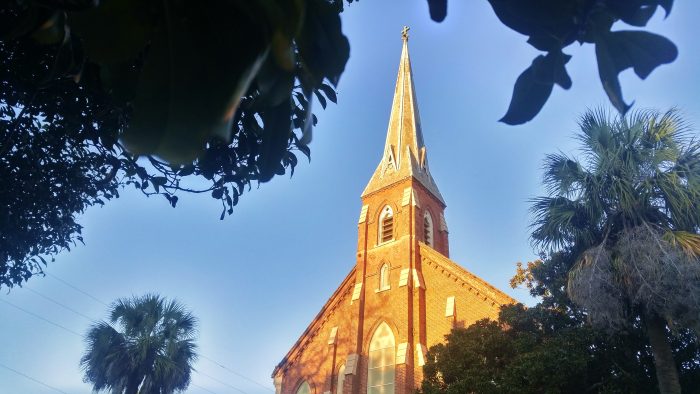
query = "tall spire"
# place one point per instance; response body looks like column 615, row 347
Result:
column 404, row 151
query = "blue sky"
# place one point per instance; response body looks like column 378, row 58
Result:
column 256, row 279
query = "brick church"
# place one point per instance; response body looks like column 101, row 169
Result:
column 404, row 294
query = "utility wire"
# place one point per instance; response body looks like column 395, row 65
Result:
column 222, row 382
column 203, row 388
column 77, row 289
column 32, row 379
column 66, row 307
column 234, row 372
column 41, row 318
column 75, row 333
column 200, row 355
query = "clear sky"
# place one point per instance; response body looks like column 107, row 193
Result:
column 256, row 279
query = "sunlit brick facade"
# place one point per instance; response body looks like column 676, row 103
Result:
column 404, row 294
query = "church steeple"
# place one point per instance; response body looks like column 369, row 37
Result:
column 404, row 154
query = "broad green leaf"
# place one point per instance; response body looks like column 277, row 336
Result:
column 633, row 12
column 438, row 10
column 329, row 92
column 617, row 51
column 276, row 133
column 322, row 45
column 641, row 50
column 115, row 31
column 52, row 31
column 183, row 101
column 555, row 18
column 534, row 85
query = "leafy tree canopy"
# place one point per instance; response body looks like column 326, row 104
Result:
column 549, row 348
column 214, row 90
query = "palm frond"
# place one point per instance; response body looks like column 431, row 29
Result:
column 563, row 176
column 689, row 242
column 560, row 222
column 149, row 330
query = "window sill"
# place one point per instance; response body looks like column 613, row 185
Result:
column 386, row 242
column 382, row 290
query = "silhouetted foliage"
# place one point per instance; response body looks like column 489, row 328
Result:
column 62, row 142
column 146, row 347
column 550, row 348
column 553, row 25
column 214, row 90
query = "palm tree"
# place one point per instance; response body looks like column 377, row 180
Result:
column 147, row 347
column 630, row 212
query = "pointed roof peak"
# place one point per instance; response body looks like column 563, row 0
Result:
column 404, row 151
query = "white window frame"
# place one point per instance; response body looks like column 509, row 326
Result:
column 384, row 277
column 429, row 229
column 385, row 348
column 304, row 388
column 387, row 212
column 340, row 379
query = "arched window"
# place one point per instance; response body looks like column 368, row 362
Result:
column 341, row 380
column 380, row 372
column 304, row 388
column 428, row 228
column 384, row 277
column 386, row 225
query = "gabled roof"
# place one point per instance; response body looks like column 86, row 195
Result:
column 435, row 259
column 404, row 154
column 432, row 259
column 316, row 323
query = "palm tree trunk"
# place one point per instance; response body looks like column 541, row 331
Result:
column 666, row 371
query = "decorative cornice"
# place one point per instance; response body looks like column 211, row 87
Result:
column 317, row 323
column 433, row 258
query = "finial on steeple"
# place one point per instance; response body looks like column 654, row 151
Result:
column 404, row 33
column 404, row 151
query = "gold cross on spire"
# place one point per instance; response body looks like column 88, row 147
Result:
column 404, row 33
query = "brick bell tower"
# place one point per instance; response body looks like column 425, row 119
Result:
column 403, row 294
column 401, row 207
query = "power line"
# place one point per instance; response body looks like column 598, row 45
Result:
column 222, row 382
column 75, row 333
column 200, row 355
column 66, row 307
column 42, row 318
column 203, row 388
column 77, row 289
column 32, row 379
column 234, row 372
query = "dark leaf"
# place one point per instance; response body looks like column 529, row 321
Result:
column 275, row 139
column 274, row 84
column 553, row 18
column 28, row 21
column 617, row 51
column 633, row 13
column 329, row 92
column 530, row 92
column 115, row 31
column 178, row 105
column 321, row 99
column 322, row 45
column 641, row 50
column 438, row 10
column 666, row 5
